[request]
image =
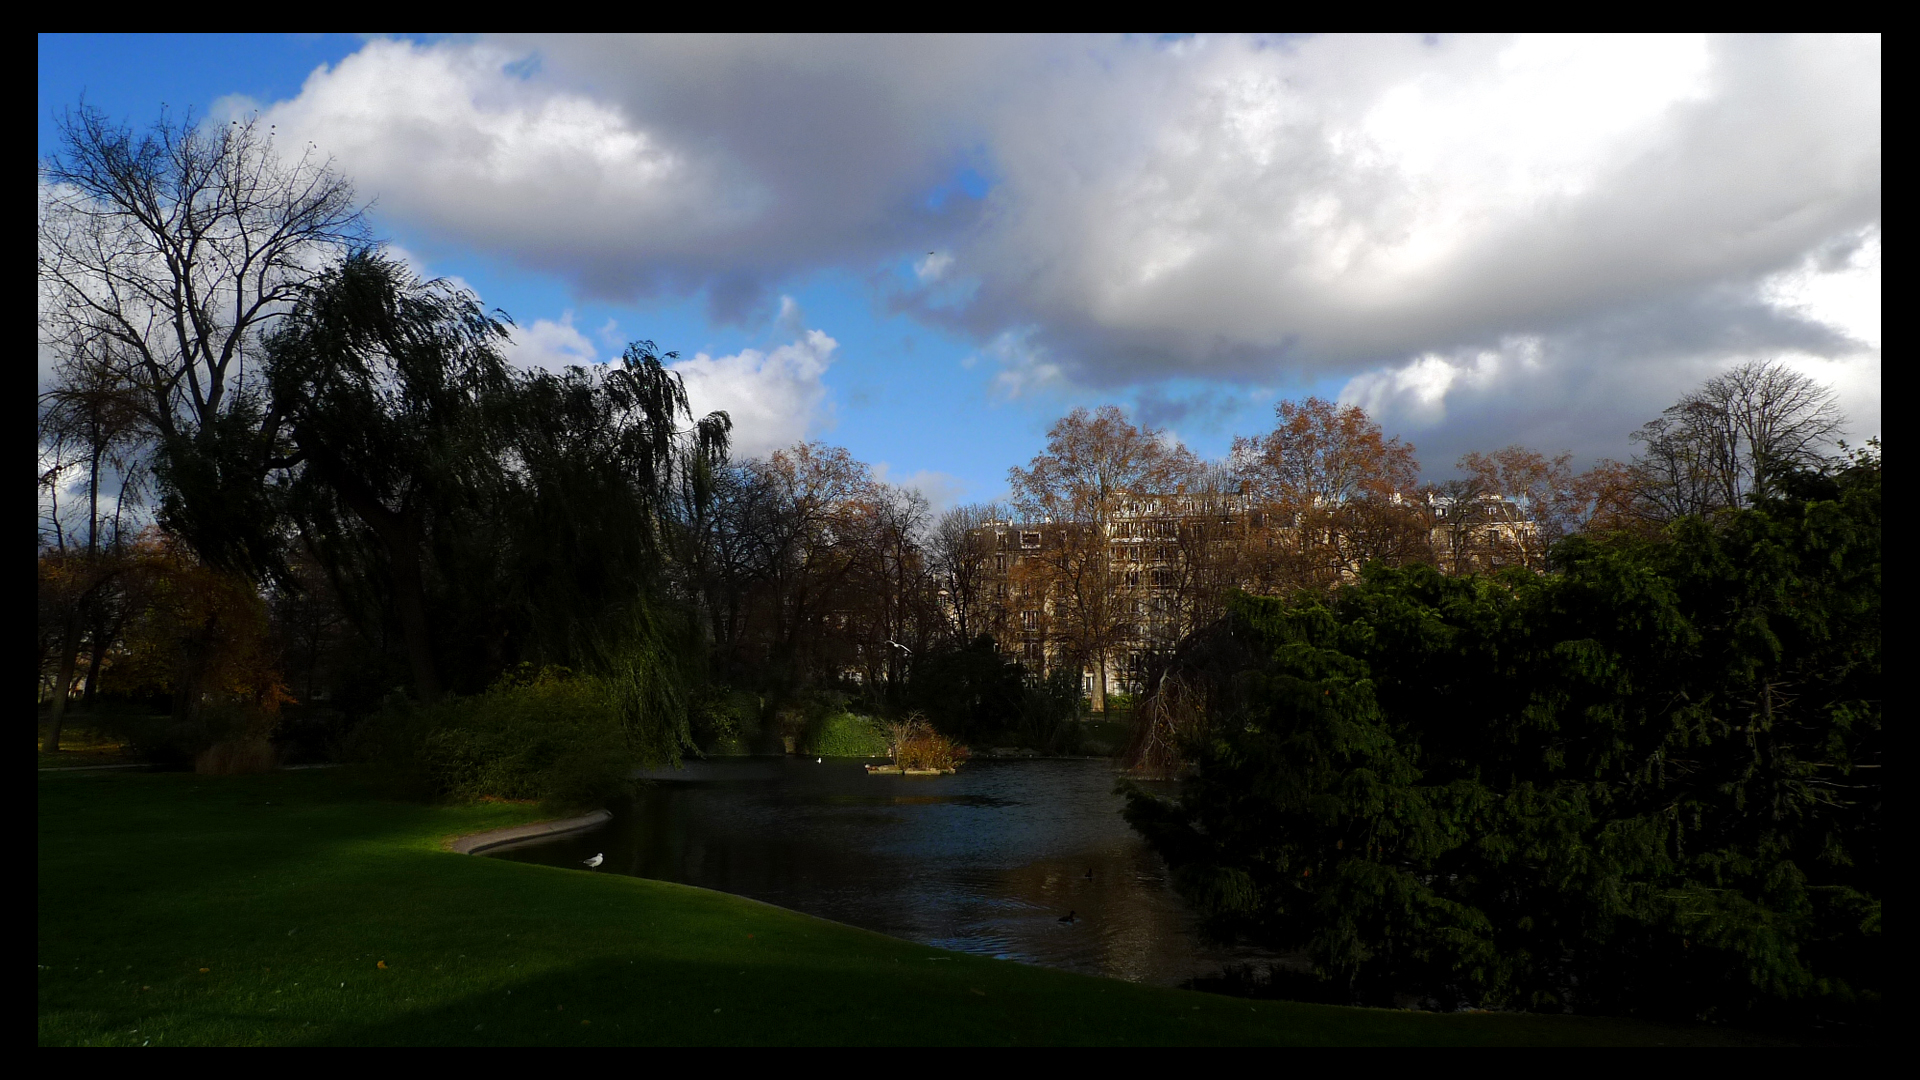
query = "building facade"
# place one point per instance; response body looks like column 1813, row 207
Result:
column 1101, row 597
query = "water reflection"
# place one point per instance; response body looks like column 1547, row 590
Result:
column 984, row 861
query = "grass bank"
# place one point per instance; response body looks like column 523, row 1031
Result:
column 301, row 908
column 82, row 746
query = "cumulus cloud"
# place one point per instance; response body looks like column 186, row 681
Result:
column 942, row 490
column 1584, row 388
column 775, row 398
column 1404, row 210
column 641, row 166
column 551, row 345
column 1025, row 368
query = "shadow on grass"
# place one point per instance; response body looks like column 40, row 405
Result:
column 301, row 908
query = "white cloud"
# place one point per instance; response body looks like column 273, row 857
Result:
column 1025, row 368
column 551, row 345
column 1238, row 209
column 792, row 319
column 1585, row 388
column 943, row 490
column 932, row 266
column 775, row 398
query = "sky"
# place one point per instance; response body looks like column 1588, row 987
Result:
column 928, row 250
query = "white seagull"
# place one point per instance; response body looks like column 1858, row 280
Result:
column 596, row 860
column 899, row 646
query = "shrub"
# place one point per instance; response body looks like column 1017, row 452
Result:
column 1050, row 705
column 726, row 721
column 1648, row 782
column 916, row 745
column 967, row 691
column 552, row 737
column 847, row 734
column 236, row 758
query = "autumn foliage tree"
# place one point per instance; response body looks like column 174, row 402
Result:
column 200, row 637
column 1092, row 461
column 1332, row 492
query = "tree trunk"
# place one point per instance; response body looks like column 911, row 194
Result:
column 410, row 603
column 1100, row 682
column 190, row 674
column 399, row 533
column 99, row 655
column 63, row 682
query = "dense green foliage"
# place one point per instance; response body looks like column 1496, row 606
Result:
column 1647, row 782
column 968, row 691
column 290, row 889
column 550, row 737
column 845, row 734
column 726, row 721
column 489, row 515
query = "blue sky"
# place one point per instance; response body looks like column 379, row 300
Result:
column 927, row 250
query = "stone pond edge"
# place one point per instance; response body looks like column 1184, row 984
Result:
column 475, row 843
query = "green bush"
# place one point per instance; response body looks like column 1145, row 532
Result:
column 846, row 734
column 1648, row 782
column 165, row 739
column 1049, row 708
column 553, row 737
column 968, row 692
column 916, row 745
column 726, row 722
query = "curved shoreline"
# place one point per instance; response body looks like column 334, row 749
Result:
column 475, row 843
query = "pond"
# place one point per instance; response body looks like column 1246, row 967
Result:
column 988, row 860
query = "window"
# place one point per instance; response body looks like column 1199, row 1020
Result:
column 1033, row 652
column 1000, row 563
column 1030, row 620
column 1133, row 579
column 1029, row 539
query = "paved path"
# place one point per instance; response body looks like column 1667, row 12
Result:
column 475, row 843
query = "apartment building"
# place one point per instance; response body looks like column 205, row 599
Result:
column 1103, row 596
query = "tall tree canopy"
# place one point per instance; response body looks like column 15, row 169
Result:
column 495, row 516
column 1092, row 461
column 1647, row 783
column 1719, row 445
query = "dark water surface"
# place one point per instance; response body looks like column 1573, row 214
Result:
column 985, row 861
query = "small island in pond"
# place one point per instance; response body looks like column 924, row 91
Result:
column 916, row 749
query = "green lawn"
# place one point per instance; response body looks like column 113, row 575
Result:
column 82, row 746
column 176, row 909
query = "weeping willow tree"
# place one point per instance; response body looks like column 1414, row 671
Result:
column 487, row 517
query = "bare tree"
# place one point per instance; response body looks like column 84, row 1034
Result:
column 962, row 554
column 1717, row 447
column 89, row 424
column 1459, row 515
column 164, row 254
column 891, row 575
column 1332, row 491
column 1092, row 462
